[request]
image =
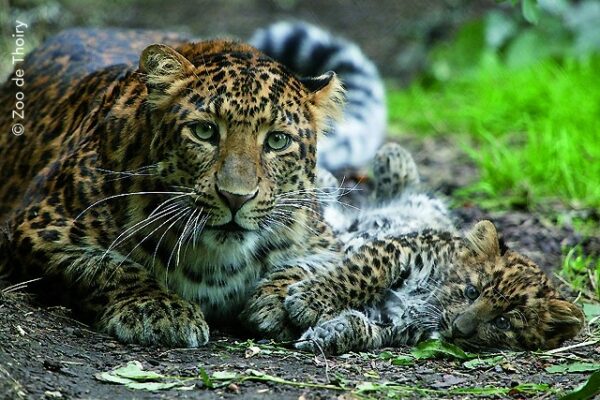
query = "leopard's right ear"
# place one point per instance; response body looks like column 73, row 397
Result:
column 326, row 96
column 482, row 238
column 163, row 67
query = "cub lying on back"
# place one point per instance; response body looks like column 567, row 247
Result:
column 408, row 276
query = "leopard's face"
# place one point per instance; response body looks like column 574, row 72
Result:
column 502, row 300
column 235, row 131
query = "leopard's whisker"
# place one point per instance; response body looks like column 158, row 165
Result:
column 181, row 215
column 182, row 230
column 132, row 230
column 175, row 215
column 126, row 258
column 184, row 235
column 286, row 217
column 124, row 195
column 126, row 172
column 198, row 231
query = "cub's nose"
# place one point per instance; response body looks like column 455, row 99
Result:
column 235, row 201
column 464, row 326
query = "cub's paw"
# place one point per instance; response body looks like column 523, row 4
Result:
column 394, row 170
column 335, row 336
column 156, row 320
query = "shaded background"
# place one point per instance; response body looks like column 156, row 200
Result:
column 395, row 33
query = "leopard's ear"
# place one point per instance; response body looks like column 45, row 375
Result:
column 483, row 239
column 564, row 321
column 326, row 94
column 163, row 67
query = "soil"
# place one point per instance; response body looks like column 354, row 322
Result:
column 44, row 353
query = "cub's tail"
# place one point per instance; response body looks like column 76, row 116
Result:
column 310, row 51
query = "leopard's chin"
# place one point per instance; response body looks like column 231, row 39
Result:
column 230, row 227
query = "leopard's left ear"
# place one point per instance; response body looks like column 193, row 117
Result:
column 327, row 97
column 163, row 67
column 565, row 321
column 483, row 239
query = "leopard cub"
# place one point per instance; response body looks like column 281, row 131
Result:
column 409, row 275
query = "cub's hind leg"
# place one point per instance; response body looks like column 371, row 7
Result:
column 394, row 170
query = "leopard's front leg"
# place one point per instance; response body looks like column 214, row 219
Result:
column 265, row 313
column 120, row 296
column 363, row 278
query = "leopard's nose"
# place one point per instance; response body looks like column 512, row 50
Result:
column 464, row 326
column 235, row 201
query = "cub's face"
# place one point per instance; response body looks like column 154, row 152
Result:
column 500, row 300
column 236, row 130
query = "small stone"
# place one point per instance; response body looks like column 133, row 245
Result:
column 233, row 388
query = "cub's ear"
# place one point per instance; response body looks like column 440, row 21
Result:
column 483, row 239
column 565, row 321
column 163, row 66
column 326, row 95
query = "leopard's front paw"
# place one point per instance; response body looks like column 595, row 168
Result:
column 305, row 305
column 266, row 315
column 159, row 320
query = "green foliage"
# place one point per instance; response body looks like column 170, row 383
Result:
column 573, row 367
column 587, row 390
column 525, row 97
column 434, row 348
column 582, row 272
column 535, row 129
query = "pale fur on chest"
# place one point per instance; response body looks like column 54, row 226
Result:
column 220, row 274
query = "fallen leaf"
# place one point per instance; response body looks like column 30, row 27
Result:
column 434, row 348
column 483, row 362
column 586, row 391
column 251, row 351
column 135, row 371
column 573, row 367
column 224, row 375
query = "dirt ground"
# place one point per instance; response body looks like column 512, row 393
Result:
column 44, row 353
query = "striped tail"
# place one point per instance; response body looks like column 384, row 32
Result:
column 311, row 51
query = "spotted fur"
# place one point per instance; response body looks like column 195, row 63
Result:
column 309, row 50
column 151, row 198
column 408, row 275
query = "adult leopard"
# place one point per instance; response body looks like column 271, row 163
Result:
column 153, row 198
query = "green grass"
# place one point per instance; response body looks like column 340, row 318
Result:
column 582, row 273
column 534, row 131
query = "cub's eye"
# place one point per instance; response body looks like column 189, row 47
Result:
column 205, row 130
column 502, row 323
column 471, row 292
column 278, row 141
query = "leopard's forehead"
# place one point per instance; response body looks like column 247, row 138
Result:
column 247, row 89
column 517, row 279
column 507, row 281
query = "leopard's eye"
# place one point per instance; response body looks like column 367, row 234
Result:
column 502, row 323
column 278, row 141
column 205, row 130
column 471, row 292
